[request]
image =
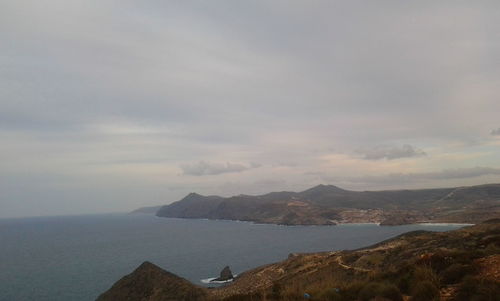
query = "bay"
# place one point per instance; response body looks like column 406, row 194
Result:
column 78, row 257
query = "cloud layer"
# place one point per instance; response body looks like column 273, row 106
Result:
column 447, row 174
column 203, row 168
column 112, row 105
column 391, row 153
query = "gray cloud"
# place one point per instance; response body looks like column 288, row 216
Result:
column 495, row 132
column 405, row 178
column 391, row 152
column 460, row 173
column 435, row 179
column 97, row 90
column 255, row 165
column 204, row 168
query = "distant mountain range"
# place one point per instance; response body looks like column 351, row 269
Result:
column 329, row 205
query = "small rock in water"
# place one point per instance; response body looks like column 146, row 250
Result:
column 225, row 275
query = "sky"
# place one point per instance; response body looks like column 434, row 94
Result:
column 106, row 106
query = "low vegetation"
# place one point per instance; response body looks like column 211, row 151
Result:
column 418, row 266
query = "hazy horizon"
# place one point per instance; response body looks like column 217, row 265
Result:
column 166, row 202
column 107, row 106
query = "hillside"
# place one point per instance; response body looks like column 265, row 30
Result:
column 149, row 282
column 328, row 205
column 458, row 265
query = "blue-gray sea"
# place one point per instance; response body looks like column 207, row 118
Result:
column 78, row 257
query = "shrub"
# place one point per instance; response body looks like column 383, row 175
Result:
column 351, row 291
column 369, row 291
column 492, row 248
column 331, row 295
column 425, row 291
column 438, row 260
column 404, row 282
column 377, row 289
column 455, row 272
column 372, row 259
column 391, row 292
column 474, row 289
column 245, row 297
column 425, row 273
column 350, row 257
column 276, row 291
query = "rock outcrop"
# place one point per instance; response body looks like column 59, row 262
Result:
column 225, row 275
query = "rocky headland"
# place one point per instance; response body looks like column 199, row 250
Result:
column 331, row 205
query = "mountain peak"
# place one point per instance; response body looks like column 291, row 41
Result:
column 153, row 283
column 193, row 196
column 325, row 188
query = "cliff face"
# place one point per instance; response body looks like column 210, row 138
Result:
column 458, row 265
column 151, row 283
column 328, row 204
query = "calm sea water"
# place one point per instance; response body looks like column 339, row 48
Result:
column 78, row 257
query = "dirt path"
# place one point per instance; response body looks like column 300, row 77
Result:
column 340, row 262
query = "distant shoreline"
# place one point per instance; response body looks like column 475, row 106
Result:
column 445, row 224
column 329, row 225
column 332, row 205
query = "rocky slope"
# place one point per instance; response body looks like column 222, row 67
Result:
column 149, row 282
column 328, row 205
column 458, row 265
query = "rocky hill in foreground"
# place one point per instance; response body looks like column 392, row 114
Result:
column 329, row 205
column 460, row 265
column 149, row 282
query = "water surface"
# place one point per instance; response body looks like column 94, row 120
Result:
column 78, row 257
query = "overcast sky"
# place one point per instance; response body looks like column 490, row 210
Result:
column 111, row 105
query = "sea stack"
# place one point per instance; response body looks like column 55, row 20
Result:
column 225, row 275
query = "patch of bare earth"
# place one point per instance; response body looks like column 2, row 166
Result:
column 298, row 204
column 490, row 267
column 448, row 292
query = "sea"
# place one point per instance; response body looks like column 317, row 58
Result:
column 77, row 258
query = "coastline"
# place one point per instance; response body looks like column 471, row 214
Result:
column 444, row 224
column 423, row 223
column 358, row 224
column 290, row 278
